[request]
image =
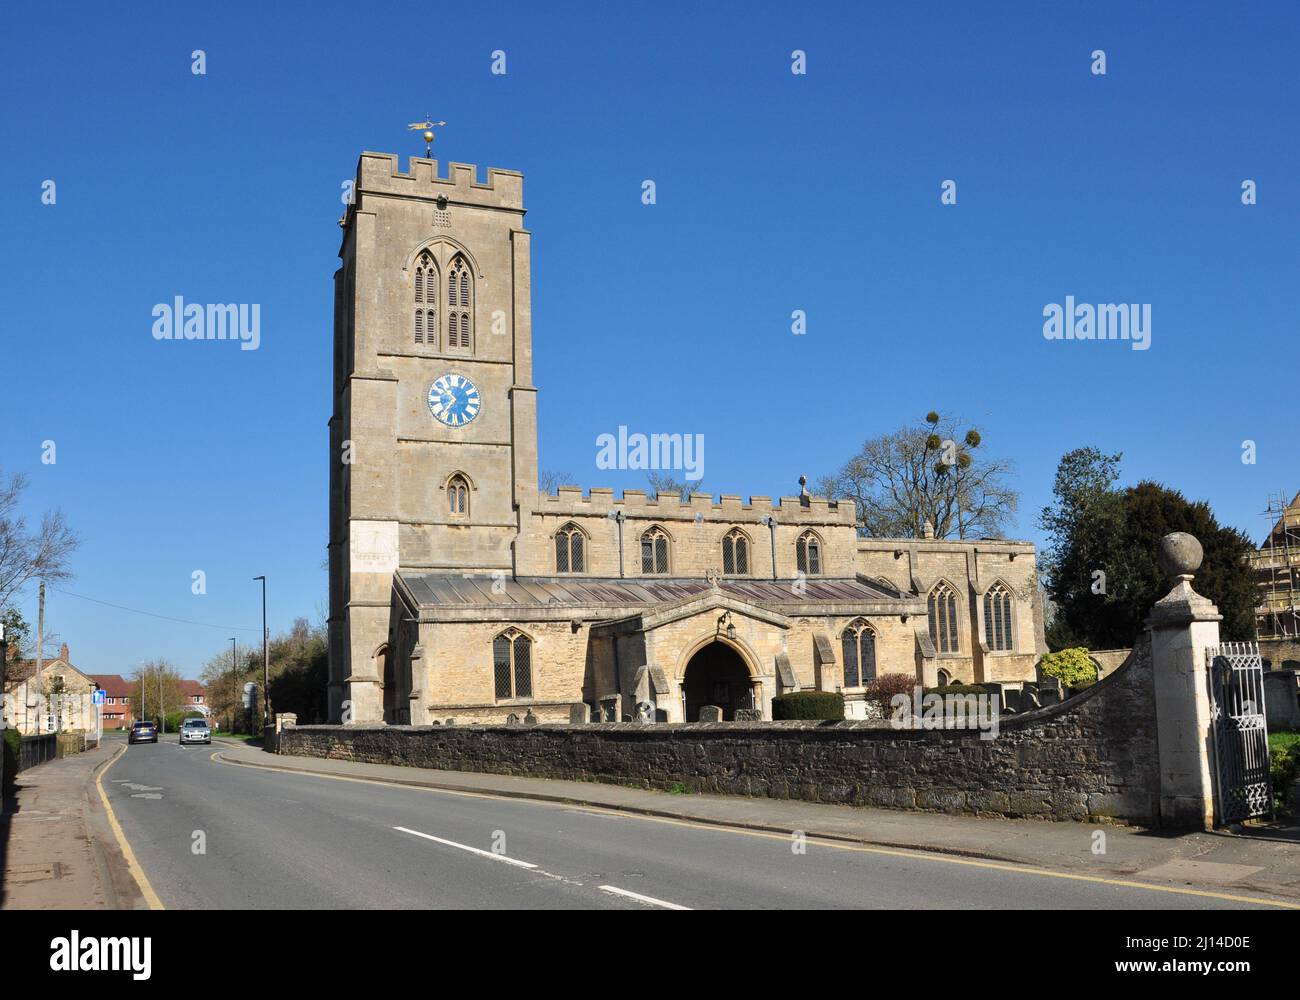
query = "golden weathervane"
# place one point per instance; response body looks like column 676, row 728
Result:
column 427, row 126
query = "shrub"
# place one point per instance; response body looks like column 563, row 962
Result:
column 1073, row 667
column 881, row 691
column 808, row 705
column 958, row 689
column 1283, row 772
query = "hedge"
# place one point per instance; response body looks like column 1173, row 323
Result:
column 808, row 705
column 12, row 750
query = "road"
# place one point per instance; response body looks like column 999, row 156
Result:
column 216, row 835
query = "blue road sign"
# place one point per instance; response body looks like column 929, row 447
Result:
column 98, row 697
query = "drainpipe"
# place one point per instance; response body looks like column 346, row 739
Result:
column 621, row 573
column 771, row 524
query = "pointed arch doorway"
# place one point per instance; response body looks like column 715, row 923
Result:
column 716, row 675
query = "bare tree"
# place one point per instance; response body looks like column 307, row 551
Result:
column 550, row 480
column 160, row 685
column 25, row 555
column 927, row 473
column 662, row 484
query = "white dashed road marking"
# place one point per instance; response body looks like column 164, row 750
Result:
column 616, row 891
column 465, row 847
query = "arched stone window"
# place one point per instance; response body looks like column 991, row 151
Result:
column 735, row 553
column 426, row 300
column 997, row 618
column 570, row 554
column 944, row 678
column 859, row 645
column 943, row 618
column 458, row 496
column 654, row 551
column 460, row 306
column 512, row 665
column 808, row 554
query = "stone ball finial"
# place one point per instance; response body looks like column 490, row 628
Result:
column 1179, row 554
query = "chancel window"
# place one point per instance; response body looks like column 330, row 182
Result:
column 569, row 554
column 426, row 300
column 808, row 554
column 654, row 551
column 458, row 496
column 997, row 618
column 859, row 645
column 943, row 618
column 735, row 552
column 512, row 665
column 460, row 307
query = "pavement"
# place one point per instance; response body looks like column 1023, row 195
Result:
column 58, row 850
column 232, row 827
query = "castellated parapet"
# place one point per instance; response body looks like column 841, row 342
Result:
column 378, row 173
column 570, row 501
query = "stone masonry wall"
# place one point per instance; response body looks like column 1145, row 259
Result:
column 1091, row 757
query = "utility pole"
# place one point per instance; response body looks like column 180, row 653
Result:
column 266, row 663
column 162, row 706
column 234, row 680
column 40, row 651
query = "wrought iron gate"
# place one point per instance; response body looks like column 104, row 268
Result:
column 1241, row 785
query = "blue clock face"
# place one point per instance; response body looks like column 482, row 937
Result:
column 454, row 400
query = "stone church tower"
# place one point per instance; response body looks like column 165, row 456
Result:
column 433, row 432
column 460, row 592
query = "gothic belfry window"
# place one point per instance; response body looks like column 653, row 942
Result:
column 426, row 300
column 460, row 306
column 458, row 496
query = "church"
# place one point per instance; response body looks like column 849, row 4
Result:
column 460, row 591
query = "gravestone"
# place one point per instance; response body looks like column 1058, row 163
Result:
column 512, row 719
column 579, row 713
column 1281, row 701
column 611, row 708
column 645, row 712
column 530, row 719
column 749, row 715
column 710, row 713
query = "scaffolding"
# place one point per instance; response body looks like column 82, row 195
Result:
column 1277, row 571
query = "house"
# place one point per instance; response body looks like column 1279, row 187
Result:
column 117, row 712
column 59, row 698
column 194, row 697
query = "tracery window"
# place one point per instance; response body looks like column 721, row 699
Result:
column 654, row 551
column 859, row 644
column 943, row 618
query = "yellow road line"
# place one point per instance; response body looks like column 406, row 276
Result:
column 785, row 837
column 141, row 879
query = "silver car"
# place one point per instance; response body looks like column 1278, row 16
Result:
column 195, row 731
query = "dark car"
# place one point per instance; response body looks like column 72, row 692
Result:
column 143, row 732
column 195, row 731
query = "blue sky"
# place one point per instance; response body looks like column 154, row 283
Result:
column 775, row 192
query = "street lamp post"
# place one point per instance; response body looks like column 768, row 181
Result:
column 266, row 663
